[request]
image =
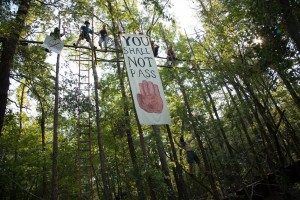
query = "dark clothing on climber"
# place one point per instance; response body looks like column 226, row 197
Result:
column 55, row 34
column 154, row 48
column 103, row 38
column 103, row 33
column 85, row 33
column 191, row 157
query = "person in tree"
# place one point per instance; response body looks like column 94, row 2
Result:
column 85, row 32
column 55, row 35
column 56, row 32
column 190, row 153
column 171, row 56
column 154, row 48
column 103, row 37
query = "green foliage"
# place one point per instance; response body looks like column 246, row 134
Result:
column 237, row 79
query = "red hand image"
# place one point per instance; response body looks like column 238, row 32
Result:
column 149, row 99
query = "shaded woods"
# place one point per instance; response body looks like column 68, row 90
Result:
column 234, row 89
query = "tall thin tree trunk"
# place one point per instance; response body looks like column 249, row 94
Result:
column 42, row 121
column 44, row 176
column 163, row 160
column 269, row 124
column 145, row 156
column 289, row 128
column 290, row 88
column 141, row 193
column 208, row 169
column 14, row 188
column 291, row 21
column 264, row 136
column 181, row 186
column 8, row 52
column 213, row 105
column 245, row 130
column 43, row 128
column 106, row 190
column 54, row 192
column 139, row 183
column 211, row 178
column 208, row 109
column 1, row 4
column 243, row 124
column 219, row 123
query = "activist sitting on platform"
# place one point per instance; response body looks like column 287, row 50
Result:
column 56, row 36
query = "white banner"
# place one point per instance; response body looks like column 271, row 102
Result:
column 53, row 44
column 145, row 83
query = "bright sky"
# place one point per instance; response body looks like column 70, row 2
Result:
column 185, row 15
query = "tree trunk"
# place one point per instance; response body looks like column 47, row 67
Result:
column 273, row 126
column 208, row 169
column 54, row 192
column 268, row 122
column 145, row 155
column 291, row 21
column 43, row 128
column 14, row 188
column 106, row 191
column 42, row 123
column 209, row 110
column 219, row 123
column 290, row 131
column 44, row 176
column 1, row 4
column 264, row 136
column 181, row 186
column 139, row 184
column 141, row 193
column 163, row 161
column 290, row 88
column 7, row 56
column 245, row 130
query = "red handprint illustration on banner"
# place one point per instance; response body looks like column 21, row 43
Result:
column 149, row 99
